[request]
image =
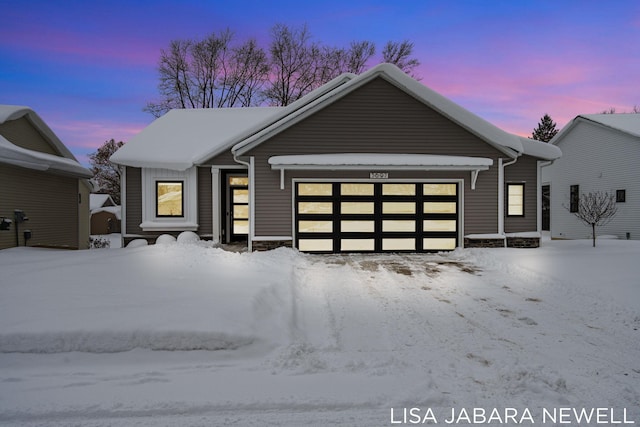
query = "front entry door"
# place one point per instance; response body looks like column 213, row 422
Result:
column 238, row 207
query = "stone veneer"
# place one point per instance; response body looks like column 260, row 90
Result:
column 512, row 242
column 483, row 243
column 523, row 242
column 267, row 245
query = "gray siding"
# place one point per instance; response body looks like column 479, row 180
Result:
column 223, row 159
column 525, row 170
column 134, row 200
column 134, row 204
column 376, row 118
column 23, row 134
column 49, row 201
column 205, row 195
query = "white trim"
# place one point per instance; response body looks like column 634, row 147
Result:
column 188, row 222
column 123, row 203
column 458, row 181
column 501, row 182
column 215, row 202
column 382, row 167
column 252, row 202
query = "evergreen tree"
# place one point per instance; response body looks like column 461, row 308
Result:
column 106, row 174
column 546, row 129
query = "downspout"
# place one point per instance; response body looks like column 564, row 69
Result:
column 249, row 166
column 501, row 167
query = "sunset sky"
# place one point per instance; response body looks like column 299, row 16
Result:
column 89, row 67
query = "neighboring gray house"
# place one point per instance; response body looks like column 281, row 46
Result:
column 601, row 152
column 376, row 162
column 40, row 177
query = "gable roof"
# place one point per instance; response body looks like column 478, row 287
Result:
column 18, row 156
column 627, row 123
column 186, row 137
column 97, row 200
column 505, row 142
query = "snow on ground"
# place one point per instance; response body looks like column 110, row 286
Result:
column 189, row 335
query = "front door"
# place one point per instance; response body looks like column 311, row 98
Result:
column 238, row 207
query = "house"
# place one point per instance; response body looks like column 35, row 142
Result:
column 369, row 163
column 42, row 182
column 105, row 214
column 601, row 152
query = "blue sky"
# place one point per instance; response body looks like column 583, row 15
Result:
column 89, row 67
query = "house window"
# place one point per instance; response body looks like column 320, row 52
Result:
column 621, row 196
column 169, row 198
column 574, row 198
column 515, row 199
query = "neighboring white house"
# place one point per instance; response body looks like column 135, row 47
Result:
column 601, row 152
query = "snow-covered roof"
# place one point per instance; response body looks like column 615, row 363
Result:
column 181, row 137
column 17, row 156
column 100, row 200
column 542, row 150
column 186, row 137
column 627, row 123
column 378, row 159
column 14, row 112
column 508, row 143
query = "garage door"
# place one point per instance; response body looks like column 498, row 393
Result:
column 376, row 217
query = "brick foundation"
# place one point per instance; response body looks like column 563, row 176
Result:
column 267, row 245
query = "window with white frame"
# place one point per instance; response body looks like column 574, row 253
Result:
column 515, row 199
column 169, row 200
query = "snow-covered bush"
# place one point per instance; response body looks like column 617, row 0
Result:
column 165, row 239
column 188, row 237
column 137, row 243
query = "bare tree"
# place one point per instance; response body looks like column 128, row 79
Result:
column 209, row 73
column 398, row 53
column 595, row 209
column 105, row 173
column 293, row 64
column 217, row 72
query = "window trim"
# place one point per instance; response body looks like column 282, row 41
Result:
column 166, row 181
column 621, row 196
column 189, row 219
column 508, row 204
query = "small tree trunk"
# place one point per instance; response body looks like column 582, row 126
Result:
column 593, row 231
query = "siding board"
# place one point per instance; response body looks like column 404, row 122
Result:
column 377, row 118
column 49, row 201
column 21, row 133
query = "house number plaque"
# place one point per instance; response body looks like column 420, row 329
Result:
column 378, row 175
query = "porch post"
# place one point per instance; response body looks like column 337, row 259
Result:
column 215, row 203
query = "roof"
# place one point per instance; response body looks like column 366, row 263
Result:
column 18, row 156
column 508, row 143
column 627, row 123
column 186, row 137
column 182, row 136
column 100, row 200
